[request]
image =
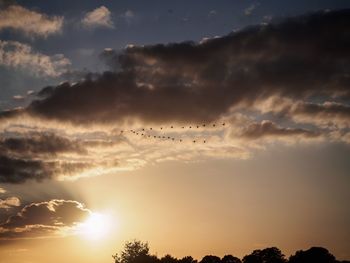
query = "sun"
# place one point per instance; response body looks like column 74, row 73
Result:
column 96, row 227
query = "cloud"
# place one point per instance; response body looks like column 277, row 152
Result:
column 212, row 13
column 99, row 17
column 36, row 150
column 285, row 80
column 44, row 219
column 326, row 114
column 189, row 82
column 17, row 55
column 31, row 23
column 18, row 169
column 129, row 16
column 18, row 97
column 39, row 156
column 39, row 143
column 9, row 202
column 269, row 129
column 249, row 10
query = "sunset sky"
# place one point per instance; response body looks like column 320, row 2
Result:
column 201, row 127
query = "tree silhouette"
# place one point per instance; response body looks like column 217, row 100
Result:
column 210, row 259
column 138, row 252
column 230, row 259
column 168, row 259
column 267, row 255
column 314, row 254
column 134, row 252
column 188, row 259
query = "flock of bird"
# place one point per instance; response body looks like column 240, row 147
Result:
column 162, row 134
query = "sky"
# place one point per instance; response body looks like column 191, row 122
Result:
column 201, row 127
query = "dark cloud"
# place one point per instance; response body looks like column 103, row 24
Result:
column 42, row 219
column 269, row 129
column 31, row 156
column 328, row 108
column 6, row 114
column 18, row 170
column 323, row 114
column 51, row 154
column 13, row 170
column 39, row 143
column 301, row 57
column 328, row 112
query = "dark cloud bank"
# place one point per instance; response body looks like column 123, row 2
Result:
column 303, row 57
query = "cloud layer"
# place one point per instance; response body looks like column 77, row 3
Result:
column 303, row 57
column 284, row 82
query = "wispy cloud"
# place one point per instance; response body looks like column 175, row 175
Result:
column 249, row 10
column 17, row 55
column 129, row 16
column 212, row 13
column 31, row 23
column 99, row 17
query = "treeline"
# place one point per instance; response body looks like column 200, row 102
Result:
column 138, row 252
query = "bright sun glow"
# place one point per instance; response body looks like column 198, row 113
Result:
column 97, row 226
